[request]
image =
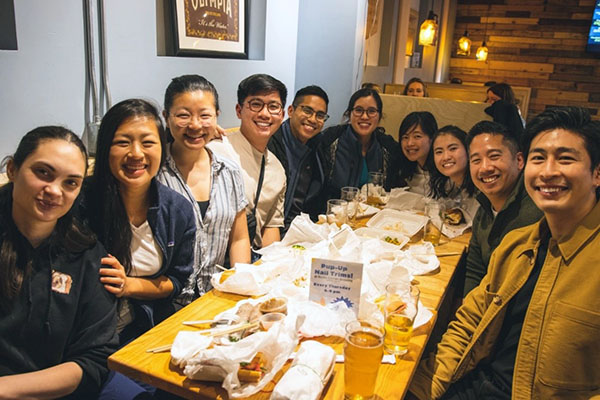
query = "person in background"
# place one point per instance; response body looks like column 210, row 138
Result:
column 212, row 184
column 370, row 85
column 416, row 133
column 295, row 144
column 261, row 99
column 146, row 227
column 415, row 87
column 451, row 177
column 504, row 108
column 57, row 323
column 496, row 163
column 353, row 149
column 530, row 329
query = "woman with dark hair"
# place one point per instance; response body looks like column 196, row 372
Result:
column 416, row 134
column 145, row 226
column 415, row 87
column 451, row 178
column 57, row 323
column 212, row 184
column 504, row 108
column 353, row 149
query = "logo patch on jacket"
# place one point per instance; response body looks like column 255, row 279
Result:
column 61, row 283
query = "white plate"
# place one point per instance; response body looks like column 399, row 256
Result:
column 401, row 221
column 381, row 234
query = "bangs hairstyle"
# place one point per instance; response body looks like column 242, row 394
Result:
column 440, row 181
column 107, row 213
column 428, row 124
column 573, row 119
column 69, row 234
column 312, row 90
column 494, row 128
column 360, row 93
column 258, row 84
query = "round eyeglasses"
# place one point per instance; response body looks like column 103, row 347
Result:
column 256, row 105
column 359, row 111
column 309, row 112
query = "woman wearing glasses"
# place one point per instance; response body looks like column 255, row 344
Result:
column 353, row 149
column 212, row 184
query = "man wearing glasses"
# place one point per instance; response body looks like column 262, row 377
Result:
column 260, row 108
column 295, row 145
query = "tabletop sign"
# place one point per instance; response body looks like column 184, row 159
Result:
column 335, row 280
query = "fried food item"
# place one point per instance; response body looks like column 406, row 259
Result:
column 254, row 370
column 248, row 313
column 226, row 274
column 454, row 216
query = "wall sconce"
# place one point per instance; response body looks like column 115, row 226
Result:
column 482, row 52
column 464, row 45
column 429, row 30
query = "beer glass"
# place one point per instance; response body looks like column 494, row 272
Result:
column 337, row 211
column 351, row 195
column 375, row 189
column 363, row 349
column 400, row 311
column 432, row 233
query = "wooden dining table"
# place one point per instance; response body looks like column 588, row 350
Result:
column 134, row 361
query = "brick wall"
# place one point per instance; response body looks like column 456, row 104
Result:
column 535, row 43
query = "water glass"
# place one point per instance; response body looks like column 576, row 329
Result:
column 351, row 195
column 400, row 311
column 337, row 211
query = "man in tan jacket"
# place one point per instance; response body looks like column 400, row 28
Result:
column 531, row 329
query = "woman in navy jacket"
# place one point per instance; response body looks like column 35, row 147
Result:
column 147, row 228
column 57, row 323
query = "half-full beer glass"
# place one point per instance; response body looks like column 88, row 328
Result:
column 363, row 349
column 401, row 306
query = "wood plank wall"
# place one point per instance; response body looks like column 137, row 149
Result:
column 535, row 43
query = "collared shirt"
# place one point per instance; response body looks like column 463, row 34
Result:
column 269, row 211
column 226, row 199
column 558, row 355
column 489, row 229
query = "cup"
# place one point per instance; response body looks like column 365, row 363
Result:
column 351, row 195
column 433, row 228
column 400, row 310
column 337, row 211
column 375, row 189
column 267, row 320
column 363, row 349
column 274, row 305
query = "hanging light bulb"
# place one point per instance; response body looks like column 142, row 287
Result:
column 464, row 45
column 429, row 30
column 482, row 52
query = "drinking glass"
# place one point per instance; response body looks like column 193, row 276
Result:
column 351, row 195
column 400, row 311
column 433, row 228
column 337, row 211
column 363, row 349
column 375, row 188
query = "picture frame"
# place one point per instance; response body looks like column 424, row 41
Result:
column 210, row 28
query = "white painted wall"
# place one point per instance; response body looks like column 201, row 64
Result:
column 44, row 81
column 330, row 49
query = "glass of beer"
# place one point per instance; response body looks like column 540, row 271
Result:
column 435, row 223
column 337, row 211
column 363, row 349
column 375, row 189
column 400, row 311
column 351, row 195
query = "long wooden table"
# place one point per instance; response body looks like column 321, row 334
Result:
column 392, row 380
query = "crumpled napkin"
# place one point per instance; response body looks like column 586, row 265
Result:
column 308, row 374
column 224, row 361
column 401, row 199
column 249, row 279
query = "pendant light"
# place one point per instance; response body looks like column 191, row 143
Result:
column 429, row 29
column 464, row 45
column 482, row 51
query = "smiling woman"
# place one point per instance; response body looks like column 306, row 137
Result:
column 50, row 296
column 144, row 225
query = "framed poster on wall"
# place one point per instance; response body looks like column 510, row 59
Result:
column 210, row 28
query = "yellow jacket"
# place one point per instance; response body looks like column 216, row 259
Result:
column 558, row 355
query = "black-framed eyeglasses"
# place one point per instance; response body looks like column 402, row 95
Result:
column 359, row 111
column 309, row 112
column 256, row 105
